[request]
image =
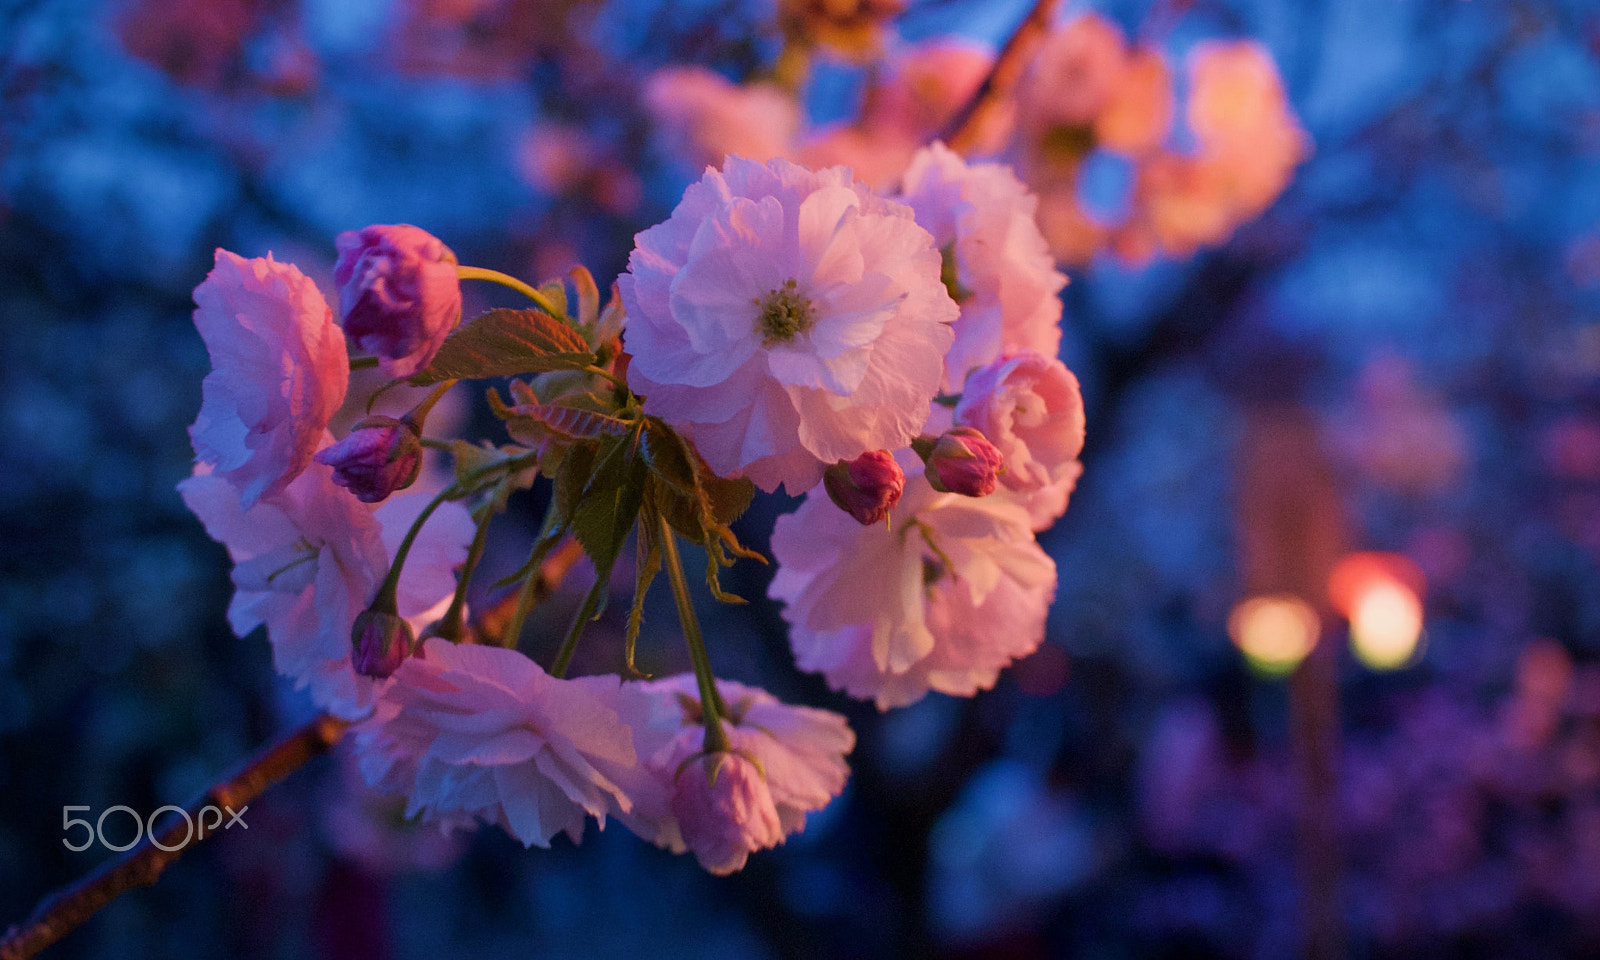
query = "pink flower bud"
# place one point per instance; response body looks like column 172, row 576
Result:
column 964, row 461
column 380, row 456
column 380, row 641
column 399, row 295
column 1029, row 406
column 725, row 810
column 867, row 487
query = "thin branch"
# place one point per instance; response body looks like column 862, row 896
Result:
column 961, row 131
column 60, row 913
column 65, row 910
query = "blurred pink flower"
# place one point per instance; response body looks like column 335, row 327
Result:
column 308, row 561
column 1137, row 116
column 1030, row 408
column 1073, row 235
column 1006, row 283
column 399, row 295
column 922, row 88
column 786, row 319
column 956, row 591
column 799, row 768
column 279, row 373
column 465, row 730
column 1181, row 204
column 1072, row 77
column 1241, row 117
column 702, row 117
column 876, row 155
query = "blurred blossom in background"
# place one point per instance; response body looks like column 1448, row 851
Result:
column 1383, row 215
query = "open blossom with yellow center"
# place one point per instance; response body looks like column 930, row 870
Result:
column 786, row 319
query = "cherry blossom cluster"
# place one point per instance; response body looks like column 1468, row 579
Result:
column 1085, row 93
column 889, row 356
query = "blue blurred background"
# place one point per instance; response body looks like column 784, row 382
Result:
column 1427, row 292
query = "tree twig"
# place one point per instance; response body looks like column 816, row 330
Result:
column 65, row 910
column 961, row 132
column 61, row 912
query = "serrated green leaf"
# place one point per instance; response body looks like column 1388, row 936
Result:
column 505, row 343
column 712, row 581
column 610, row 501
column 646, row 568
column 726, row 499
column 668, row 458
column 571, row 477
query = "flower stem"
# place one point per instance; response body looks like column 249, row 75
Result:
column 591, row 603
column 362, row 363
column 417, row 417
column 601, row 372
column 502, row 623
column 506, row 280
column 392, row 582
column 711, row 706
column 450, row 625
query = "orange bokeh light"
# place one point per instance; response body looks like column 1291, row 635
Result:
column 1381, row 595
column 1275, row 632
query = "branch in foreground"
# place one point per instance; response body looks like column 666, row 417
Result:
column 61, row 912
column 963, row 128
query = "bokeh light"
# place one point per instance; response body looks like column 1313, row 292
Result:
column 1275, row 632
column 1381, row 595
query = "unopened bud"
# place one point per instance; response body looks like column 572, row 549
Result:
column 399, row 294
column 380, row 641
column 867, row 487
column 381, row 455
column 964, row 461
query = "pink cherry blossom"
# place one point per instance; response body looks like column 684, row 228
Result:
column 1241, row 117
column 724, row 811
column 279, row 372
column 953, row 593
column 1006, row 282
column 1136, row 118
column 1030, row 407
column 471, row 731
column 308, row 561
column 922, row 88
column 399, row 294
column 798, row 766
column 702, row 117
column 1072, row 77
column 786, row 319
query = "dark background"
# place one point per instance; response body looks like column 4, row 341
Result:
column 1426, row 291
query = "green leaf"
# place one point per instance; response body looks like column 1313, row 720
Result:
column 727, row 499
column 668, row 458
column 648, row 565
column 505, row 343
column 610, row 501
column 571, row 477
